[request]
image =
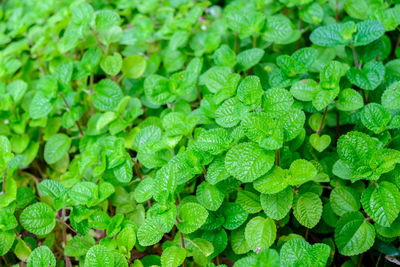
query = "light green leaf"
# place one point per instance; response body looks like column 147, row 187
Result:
column 6, row 241
column 249, row 58
column 173, row 257
column 107, row 95
column 349, row 100
column 273, row 182
column 56, row 148
column 249, row 201
column 134, row 66
column 40, row 106
column 41, row 257
column 99, row 255
column 307, row 208
column 38, row 219
column 105, row 19
column 149, row 233
column 191, row 216
column 250, row 91
column 304, row 90
column 209, row 196
column 320, row 143
column 111, row 65
column 301, row 172
column 247, row 161
column 260, row 233
column 277, row 205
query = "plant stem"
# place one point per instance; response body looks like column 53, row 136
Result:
column 277, row 157
column 360, row 259
column 255, row 41
column 183, row 246
column 137, row 169
column 76, row 122
column 97, row 40
column 306, row 235
column 64, row 233
column 336, row 10
column 298, row 41
column 322, row 121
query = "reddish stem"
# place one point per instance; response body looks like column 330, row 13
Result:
column 277, row 157
column 322, row 121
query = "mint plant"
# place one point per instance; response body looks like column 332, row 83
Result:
column 199, row 133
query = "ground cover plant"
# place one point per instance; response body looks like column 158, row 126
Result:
column 199, row 133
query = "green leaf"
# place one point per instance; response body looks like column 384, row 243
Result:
column 279, row 29
column 304, row 90
column 344, row 199
column 224, row 56
column 6, row 241
column 105, row 19
column 260, row 233
column 307, row 208
column 41, row 257
column 248, row 58
column 173, row 257
column 353, row 234
column 133, row 66
column 78, row 246
column 272, row 182
column 209, row 196
column 246, row 22
column 250, row 91
column 297, row 252
column 230, row 113
column 56, row 148
column 277, row 205
column 112, row 64
column 264, row 130
column 349, row 100
column 99, row 255
column 277, row 100
column 149, row 233
column 247, row 161
column 382, row 202
column 375, row 117
column 301, row 172
column 107, row 95
column 127, row 238
column 370, row 77
column 143, row 191
column 234, row 215
column 320, row 143
column 40, row 106
column 391, row 96
column 333, row 34
column 82, row 14
column 249, row 201
column 367, row 32
column 214, row 141
column 191, row 217
column 38, row 218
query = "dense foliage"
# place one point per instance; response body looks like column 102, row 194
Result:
column 182, row 132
